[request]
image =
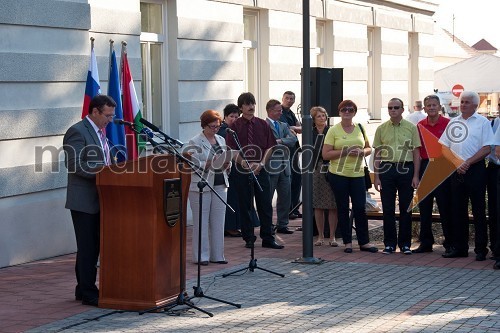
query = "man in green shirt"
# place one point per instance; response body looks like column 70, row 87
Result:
column 396, row 166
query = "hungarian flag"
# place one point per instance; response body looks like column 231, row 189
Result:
column 131, row 111
column 115, row 133
column 92, row 87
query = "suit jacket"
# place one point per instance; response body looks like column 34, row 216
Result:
column 199, row 148
column 84, row 157
column 280, row 159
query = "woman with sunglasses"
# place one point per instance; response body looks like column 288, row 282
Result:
column 345, row 146
column 202, row 149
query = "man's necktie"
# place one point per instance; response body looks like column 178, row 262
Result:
column 250, row 133
column 277, row 127
column 105, row 147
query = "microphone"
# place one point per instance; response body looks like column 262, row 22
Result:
column 148, row 124
column 147, row 132
column 156, row 129
column 230, row 131
column 123, row 122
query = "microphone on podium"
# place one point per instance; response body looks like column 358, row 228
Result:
column 123, row 122
column 156, row 129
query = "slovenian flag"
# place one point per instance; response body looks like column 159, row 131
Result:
column 116, row 133
column 92, row 88
column 131, row 110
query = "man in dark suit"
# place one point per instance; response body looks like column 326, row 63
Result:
column 288, row 117
column 279, row 164
column 86, row 150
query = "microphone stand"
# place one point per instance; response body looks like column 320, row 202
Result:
column 198, row 291
column 252, row 265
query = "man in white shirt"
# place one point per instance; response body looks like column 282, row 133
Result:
column 469, row 136
column 417, row 115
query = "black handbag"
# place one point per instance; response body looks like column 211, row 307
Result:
column 368, row 179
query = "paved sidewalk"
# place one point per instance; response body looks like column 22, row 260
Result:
column 358, row 292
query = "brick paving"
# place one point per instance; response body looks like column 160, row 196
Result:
column 358, row 292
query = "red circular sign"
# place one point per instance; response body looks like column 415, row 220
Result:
column 457, row 90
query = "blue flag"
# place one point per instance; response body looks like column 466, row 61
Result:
column 116, row 133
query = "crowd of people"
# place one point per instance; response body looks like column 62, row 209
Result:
column 267, row 162
column 401, row 157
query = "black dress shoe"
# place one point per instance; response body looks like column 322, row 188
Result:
column 422, row 249
column 232, row 233
column 371, row 249
column 284, row 230
column 348, row 250
column 496, row 265
column 92, row 302
column 272, row 245
column 223, row 262
column 299, row 214
column 456, row 254
column 249, row 245
column 481, row 257
column 292, row 216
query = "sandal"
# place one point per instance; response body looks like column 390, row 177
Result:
column 319, row 242
column 333, row 243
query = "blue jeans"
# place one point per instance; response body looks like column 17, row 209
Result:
column 354, row 188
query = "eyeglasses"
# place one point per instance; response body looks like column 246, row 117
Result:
column 394, row 107
column 347, row 110
column 213, row 126
column 111, row 116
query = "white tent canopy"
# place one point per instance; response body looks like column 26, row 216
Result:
column 479, row 74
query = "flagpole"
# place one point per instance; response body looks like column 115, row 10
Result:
column 123, row 51
column 111, row 47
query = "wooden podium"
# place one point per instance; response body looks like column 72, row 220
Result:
column 142, row 263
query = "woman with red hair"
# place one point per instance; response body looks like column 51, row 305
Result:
column 345, row 146
column 203, row 148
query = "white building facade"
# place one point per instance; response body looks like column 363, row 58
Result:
column 186, row 56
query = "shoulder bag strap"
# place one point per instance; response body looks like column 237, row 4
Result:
column 364, row 137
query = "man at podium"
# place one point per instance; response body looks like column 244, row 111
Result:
column 86, row 150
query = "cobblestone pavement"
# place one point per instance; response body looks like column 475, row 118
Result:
column 331, row 297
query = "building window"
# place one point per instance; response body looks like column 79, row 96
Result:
column 250, row 51
column 152, row 50
column 320, row 43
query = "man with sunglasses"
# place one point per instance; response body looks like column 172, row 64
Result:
column 396, row 166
